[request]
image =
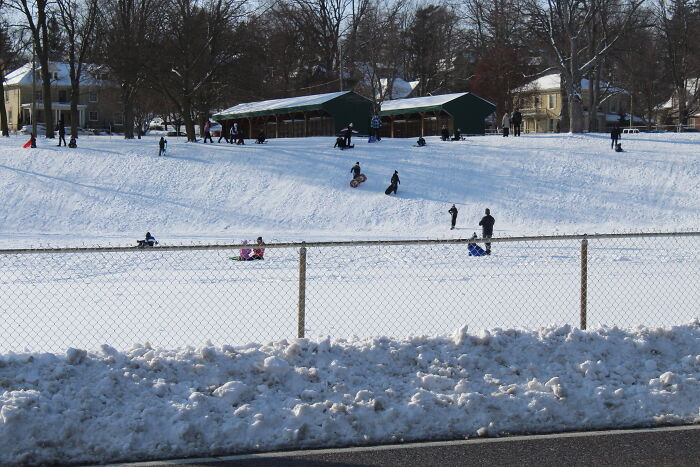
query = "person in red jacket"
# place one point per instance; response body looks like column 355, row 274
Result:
column 259, row 252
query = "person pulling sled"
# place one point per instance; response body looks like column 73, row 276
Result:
column 394, row 183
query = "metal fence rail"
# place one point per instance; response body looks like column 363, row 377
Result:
column 172, row 296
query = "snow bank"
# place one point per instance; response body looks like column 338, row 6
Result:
column 149, row 403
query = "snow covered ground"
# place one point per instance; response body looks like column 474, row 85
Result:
column 168, row 399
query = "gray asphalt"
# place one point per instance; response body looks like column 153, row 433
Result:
column 672, row 446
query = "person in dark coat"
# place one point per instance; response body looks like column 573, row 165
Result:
column 486, row 224
column 261, row 137
column 445, row 133
column 516, row 120
column 453, row 211
column 376, row 124
column 339, row 142
column 61, row 133
column 207, row 132
column 223, row 133
column 420, row 142
column 32, row 141
column 355, row 170
column 347, row 133
column 72, row 143
column 149, row 241
column 395, row 182
column 233, row 133
column 162, row 144
column 458, row 135
column 615, row 134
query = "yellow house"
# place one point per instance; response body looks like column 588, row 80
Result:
column 540, row 103
column 98, row 103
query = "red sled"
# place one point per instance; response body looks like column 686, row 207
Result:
column 27, row 144
column 355, row 182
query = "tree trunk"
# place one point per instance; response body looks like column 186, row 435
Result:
column 3, row 112
column 74, row 115
column 46, row 93
column 564, row 123
column 128, row 106
column 187, row 116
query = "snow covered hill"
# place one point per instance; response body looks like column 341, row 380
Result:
column 109, row 188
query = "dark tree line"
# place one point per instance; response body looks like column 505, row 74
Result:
column 184, row 59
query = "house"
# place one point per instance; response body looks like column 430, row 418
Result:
column 313, row 115
column 99, row 104
column 400, row 88
column 668, row 111
column 540, row 102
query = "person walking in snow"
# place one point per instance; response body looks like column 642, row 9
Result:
column 453, row 212
column 162, row 145
column 207, row 132
column 505, row 124
column 223, row 133
column 259, row 252
column 61, row 133
column 355, row 170
column 615, row 134
column 395, row 182
column 233, row 133
column 376, row 124
column 516, row 120
column 486, row 224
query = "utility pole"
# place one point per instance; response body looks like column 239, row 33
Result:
column 34, row 127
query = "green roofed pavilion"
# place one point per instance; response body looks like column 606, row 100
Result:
column 315, row 115
column 425, row 116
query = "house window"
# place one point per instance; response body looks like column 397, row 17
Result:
column 55, row 76
column 7, row 96
column 38, row 96
column 536, row 102
column 552, row 125
column 614, row 107
column 118, row 120
column 93, row 115
column 93, row 96
column 552, row 101
column 62, row 96
column 9, row 116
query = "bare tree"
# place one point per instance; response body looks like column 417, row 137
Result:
column 36, row 14
column 9, row 59
column 78, row 19
column 678, row 20
column 194, row 51
column 128, row 31
column 562, row 24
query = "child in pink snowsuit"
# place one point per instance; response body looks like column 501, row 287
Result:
column 245, row 252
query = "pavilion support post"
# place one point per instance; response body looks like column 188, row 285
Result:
column 306, row 124
column 391, row 126
column 277, row 126
column 250, row 128
column 422, row 124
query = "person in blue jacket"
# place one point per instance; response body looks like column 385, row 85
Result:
column 474, row 249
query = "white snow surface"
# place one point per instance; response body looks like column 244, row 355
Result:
column 155, row 403
column 112, row 191
column 104, row 405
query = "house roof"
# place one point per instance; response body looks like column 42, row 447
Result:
column 23, row 74
column 400, row 88
column 289, row 104
column 421, row 104
column 692, row 86
column 552, row 82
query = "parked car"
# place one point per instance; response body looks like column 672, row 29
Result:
column 27, row 129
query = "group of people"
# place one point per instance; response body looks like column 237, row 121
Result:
column 445, row 135
column 514, row 120
column 486, row 224
column 258, row 252
column 344, row 141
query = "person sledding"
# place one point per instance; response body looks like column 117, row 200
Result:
column 261, row 138
column 244, row 253
column 444, row 133
column 149, row 241
column 259, row 252
column 421, row 142
column 339, row 143
column 474, row 249
column 31, row 143
column 357, row 175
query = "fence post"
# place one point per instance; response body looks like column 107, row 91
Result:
column 301, row 307
column 584, row 282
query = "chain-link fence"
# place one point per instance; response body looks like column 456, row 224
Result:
column 178, row 296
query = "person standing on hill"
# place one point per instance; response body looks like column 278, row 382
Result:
column 453, row 211
column 505, row 124
column 615, row 134
column 376, row 124
column 486, row 224
column 61, row 133
column 516, row 120
column 162, row 145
